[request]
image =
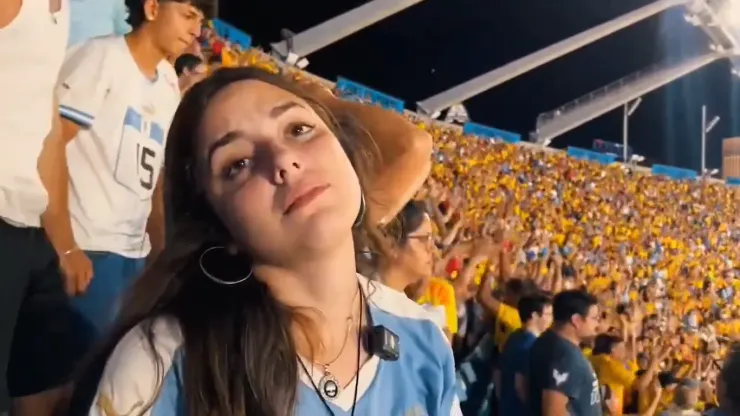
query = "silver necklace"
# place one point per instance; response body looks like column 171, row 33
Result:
column 329, row 386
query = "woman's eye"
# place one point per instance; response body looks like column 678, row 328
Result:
column 300, row 130
column 235, row 168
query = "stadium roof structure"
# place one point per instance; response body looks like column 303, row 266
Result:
column 337, row 28
column 527, row 63
column 716, row 17
column 719, row 19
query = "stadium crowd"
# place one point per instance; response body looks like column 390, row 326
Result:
column 659, row 256
column 516, row 280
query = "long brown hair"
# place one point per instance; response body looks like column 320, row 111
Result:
column 239, row 356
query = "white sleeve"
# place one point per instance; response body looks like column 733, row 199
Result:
column 437, row 314
column 84, row 82
column 132, row 381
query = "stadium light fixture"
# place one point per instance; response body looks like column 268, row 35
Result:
column 691, row 19
column 629, row 109
column 633, row 106
column 712, row 123
column 705, row 129
column 292, row 58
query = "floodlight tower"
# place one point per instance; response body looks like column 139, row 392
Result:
column 706, row 128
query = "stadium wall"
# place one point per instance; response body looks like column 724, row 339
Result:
column 731, row 157
column 92, row 18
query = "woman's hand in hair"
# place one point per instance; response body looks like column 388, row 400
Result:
column 405, row 153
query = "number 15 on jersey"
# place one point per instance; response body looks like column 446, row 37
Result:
column 139, row 154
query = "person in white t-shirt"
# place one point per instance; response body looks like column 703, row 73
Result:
column 34, row 309
column 117, row 97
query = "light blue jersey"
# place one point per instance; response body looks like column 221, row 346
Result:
column 420, row 383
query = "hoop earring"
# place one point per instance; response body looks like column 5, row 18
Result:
column 361, row 214
column 214, row 278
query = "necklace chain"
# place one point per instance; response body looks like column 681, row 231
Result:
column 350, row 324
column 328, row 387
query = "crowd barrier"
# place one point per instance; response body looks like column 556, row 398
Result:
column 480, row 130
column 673, row 172
column 605, row 146
column 583, row 154
column 353, row 91
column 730, row 181
column 231, row 34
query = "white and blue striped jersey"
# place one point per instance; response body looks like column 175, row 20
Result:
column 420, row 383
column 115, row 160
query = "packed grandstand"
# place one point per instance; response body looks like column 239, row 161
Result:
column 658, row 249
column 561, row 279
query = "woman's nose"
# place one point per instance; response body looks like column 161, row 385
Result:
column 286, row 170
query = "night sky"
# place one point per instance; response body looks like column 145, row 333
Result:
column 437, row 44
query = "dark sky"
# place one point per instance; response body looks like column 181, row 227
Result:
column 439, row 43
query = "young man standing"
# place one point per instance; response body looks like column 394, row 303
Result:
column 535, row 312
column 561, row 380
column 117, row 98
column 35, row 355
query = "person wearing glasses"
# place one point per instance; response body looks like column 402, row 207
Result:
column 410, row 253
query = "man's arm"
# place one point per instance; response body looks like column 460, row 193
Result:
column 561, row 383
column 554, row 403
column 78, row 97
column 52, row 167
column 520, row 386
column 155, row 225
column 521, row 369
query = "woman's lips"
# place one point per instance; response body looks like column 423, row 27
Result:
column 305, row 198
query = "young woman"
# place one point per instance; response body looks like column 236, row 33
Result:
column 255, row 308
column 411, row 251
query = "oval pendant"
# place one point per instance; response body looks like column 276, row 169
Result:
column 329, row 386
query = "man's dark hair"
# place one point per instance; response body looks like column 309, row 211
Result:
column 571, row 302
column 604, row 343
column 136, row 16
column 186, row 61
column 530, row 304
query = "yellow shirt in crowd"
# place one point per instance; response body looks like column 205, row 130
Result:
column 507, row 321
column 441, row 293
column 615, row 375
